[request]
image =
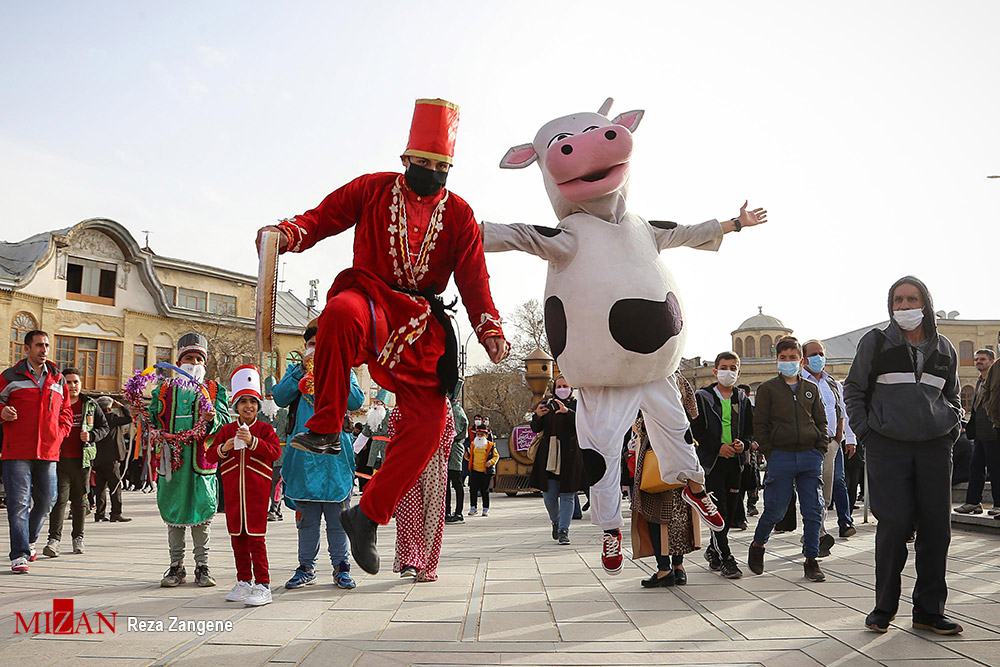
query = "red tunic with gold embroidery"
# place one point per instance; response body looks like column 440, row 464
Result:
column 407, row 241
column 246, row 476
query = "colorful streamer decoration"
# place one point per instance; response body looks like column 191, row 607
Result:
column 134, row 391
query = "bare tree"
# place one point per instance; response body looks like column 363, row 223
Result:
column 499, row 391
column 229, row 347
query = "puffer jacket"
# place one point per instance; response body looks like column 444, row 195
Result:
column 44, row 413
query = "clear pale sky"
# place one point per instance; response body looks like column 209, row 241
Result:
column 866, row 129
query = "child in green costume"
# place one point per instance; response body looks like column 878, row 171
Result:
column 187, row 491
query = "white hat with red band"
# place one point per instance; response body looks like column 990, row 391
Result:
column 246, row 382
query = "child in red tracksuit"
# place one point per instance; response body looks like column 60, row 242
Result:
column 245, row 450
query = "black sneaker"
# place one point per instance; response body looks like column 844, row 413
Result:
column 752, row 510
column 361, row 531
column 118, row 518
column 938, row 623
column 755, row 558
column 879, row 621
column 848, row 530
column 317, row 443
column 555, row 530
column 826, row 543
column 714, row 559
column 563, row 537
column 730, row 570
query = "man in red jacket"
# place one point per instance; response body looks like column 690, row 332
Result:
column 410, row 236
column 36, row 415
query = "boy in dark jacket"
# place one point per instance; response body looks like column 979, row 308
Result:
column 724, row 431
column 790, row 427
column 902, row 398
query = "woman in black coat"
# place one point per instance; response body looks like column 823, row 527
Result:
column 558, row 466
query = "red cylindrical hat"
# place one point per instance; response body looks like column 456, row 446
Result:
column 433, row 130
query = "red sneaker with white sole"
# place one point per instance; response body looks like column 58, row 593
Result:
column 706, row 509
column 611, row 554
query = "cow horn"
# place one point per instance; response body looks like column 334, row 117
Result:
column 606, row 107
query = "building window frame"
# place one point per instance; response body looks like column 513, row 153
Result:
column 966, row 353
column 91, row 281
column 222, row 304
column 140, row 357
column 751, row 347
column 186, row 297
column 20, row 325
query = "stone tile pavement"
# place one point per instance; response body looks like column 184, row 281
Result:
column 508, row 595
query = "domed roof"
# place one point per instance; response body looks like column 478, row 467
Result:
column 762, row 321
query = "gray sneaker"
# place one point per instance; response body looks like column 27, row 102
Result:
column 51, row 549
column 203, row 576
column 969, row 508
column 174, row 576
column 994, row 512
column 78, row 545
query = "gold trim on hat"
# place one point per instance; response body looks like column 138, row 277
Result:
column 413, row 152
column 439, row 102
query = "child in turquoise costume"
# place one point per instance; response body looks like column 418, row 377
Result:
column 316, row 485
column 187, row 491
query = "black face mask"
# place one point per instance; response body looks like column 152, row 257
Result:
column 424, row 181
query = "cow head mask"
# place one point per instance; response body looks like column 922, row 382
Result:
column 584, row 158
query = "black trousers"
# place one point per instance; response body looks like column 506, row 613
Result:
column 455, row 482
column 854, row 473
column 910, row 488
column 73, row 480
column 107, row 476
column 664, row 562
column 985, row 456
column 723, row 482
column 479, row 483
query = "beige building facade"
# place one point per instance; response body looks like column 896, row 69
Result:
column 111, row 307
column 755, row 338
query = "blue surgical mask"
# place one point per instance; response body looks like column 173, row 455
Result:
column 816, row 363
column 788, row 368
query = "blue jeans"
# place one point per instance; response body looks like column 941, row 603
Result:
column 559, row 505
column 840, row 499
column 804, row 472
column 307, row 519
column 29, row 484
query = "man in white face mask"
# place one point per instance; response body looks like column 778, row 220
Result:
column 902, row 398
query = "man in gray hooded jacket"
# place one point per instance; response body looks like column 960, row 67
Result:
column 902, row 398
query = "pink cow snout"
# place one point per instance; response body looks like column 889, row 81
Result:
column 590, row 164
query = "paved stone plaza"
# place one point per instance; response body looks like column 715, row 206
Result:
column 508, row 595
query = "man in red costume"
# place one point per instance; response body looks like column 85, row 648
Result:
column 410, row 235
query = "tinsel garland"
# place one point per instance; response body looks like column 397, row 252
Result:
column 134, row 391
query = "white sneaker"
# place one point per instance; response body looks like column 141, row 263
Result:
column 240, row 592
column 78, row 545
column 259, row 595
column 19, row 565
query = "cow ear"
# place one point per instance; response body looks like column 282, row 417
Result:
column 519, row 157
column 629, row 119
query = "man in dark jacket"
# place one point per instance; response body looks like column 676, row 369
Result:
column 902, row 397
column 790, row 427
column 76, row 455
column 111, row 450
column 724, row 431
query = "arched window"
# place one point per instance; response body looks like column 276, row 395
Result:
column 967, row 393
column 766, row 346
column 751, row 347
column 20, row 325
column 738, row 347
column 966, row 353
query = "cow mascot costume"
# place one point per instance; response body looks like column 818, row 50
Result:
column 612, row 313
column 410, row 235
